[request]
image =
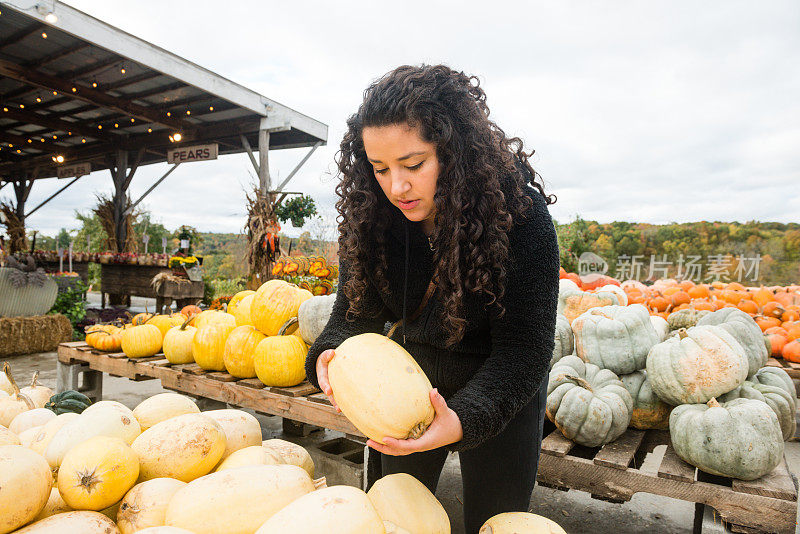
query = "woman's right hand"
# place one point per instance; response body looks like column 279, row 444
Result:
column 322, row 375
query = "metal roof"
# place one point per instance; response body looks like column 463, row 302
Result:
column 81, row 88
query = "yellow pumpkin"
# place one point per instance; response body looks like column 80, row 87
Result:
column 280, row 360
column 165, row 322
column 25, row 482
column 141, row 341
column 380, row 388
column 274, row 303
column 242, row 313
column 233, row 304
column 208, row 346
column 403, row 502
column 145, row 505
column 213, row 317
column 239, row 347
column 177, row 344
column 161, row 407
column 97, row 473
column 185, row 447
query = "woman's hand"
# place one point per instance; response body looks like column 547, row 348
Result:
column 322, row 375
column 444, row 430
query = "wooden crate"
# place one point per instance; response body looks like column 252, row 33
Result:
column 614, row 473
column 290, row 402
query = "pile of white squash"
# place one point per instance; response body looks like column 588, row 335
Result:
column 615, row 366
column 165, row 467
column 263, row 334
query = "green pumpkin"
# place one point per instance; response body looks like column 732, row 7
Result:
column 616, row 338
column 745, row 330
column 685, row 318
column 68, row 401
column 776, row 398
column 695, row 365
column 739, row 439
column 313, row 315
column 589, row 405
column 648, row 410
column 565, row 341
column 26, row 300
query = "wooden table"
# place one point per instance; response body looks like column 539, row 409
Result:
column 127, row 279
column 612, row 473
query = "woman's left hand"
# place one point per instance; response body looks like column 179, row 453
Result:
column 444, row 430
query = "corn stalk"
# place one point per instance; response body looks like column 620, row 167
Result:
column 105, row 213
column 15, row 228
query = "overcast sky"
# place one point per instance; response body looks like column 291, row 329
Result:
column 640, row 111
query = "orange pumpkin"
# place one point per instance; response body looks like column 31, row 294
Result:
column 681, row 297
column 670, row 291
column 718, row 285
column 660, row 304
column 702, row 304
column 190, row 310
column 575, row 278
column 766, row 322
column 699, row 292
column 141, row 318
column 773, row 309
column 793, row 331
column 735, row 286
column 686, row 285
column 762, row 296
column 790, row 316
column 562, row 273
column 776, row 344
column 791, row 351
column 748, row 306
column 787, row 298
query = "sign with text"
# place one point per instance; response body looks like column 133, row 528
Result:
column 192, row 153
column 74, row 171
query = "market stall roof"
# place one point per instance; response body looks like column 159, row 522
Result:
column 74, row 86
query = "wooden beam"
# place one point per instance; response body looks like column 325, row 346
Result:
column 297, row 168
column 57, row 124
column 124, row 82
column 51, row 197
column 21, row 34
column 137, row 160
column 164, row 177
column 89, row 95
column 56, row 56
column 95, row 67
column 21, row 141
column 263, row 162
column 249, row 150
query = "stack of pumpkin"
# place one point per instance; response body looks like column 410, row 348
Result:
column 263, row 333
column 700, row 373
column 165, row 467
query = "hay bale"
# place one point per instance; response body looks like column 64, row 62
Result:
column 26, row 335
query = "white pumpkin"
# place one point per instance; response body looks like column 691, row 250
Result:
column 5, row 384
column 16, row 403
column 36, row 392
column 31, row 418
column 237, row 501
column 25, row 483
column 106, row 420
column 333, row 510
column 161, row 407
column 403, row 502
column 661, row 327
column 313, row 315
column 241, row 429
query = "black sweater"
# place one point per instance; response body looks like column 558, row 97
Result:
column 499, row 365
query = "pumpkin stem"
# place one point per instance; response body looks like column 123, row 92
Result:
column 682, row 333
column 35, row 379
column 320, row 483
column 186, row 322
column 712, row 403
column 286, row 325
column 418, row 430
column 580, row 381
column 7, row 371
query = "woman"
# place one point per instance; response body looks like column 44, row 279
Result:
column 441, row 232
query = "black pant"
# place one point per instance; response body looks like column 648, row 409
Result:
column 497, row 476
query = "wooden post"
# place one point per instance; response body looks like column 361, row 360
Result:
column 264, row 183
column 119, row 175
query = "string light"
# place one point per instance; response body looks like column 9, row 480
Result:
column 122, row 69
column 22, row 106
column 149, row 130
column 19, row 151
column 69, row 133
column 188, row 112
column 44, row 35
column 55, row 93
column 94, row 84
column 169, row 114
column 116, row 125
column 58, row 159
column 133, row 120
column 5, row 109
column 176, row 137
column 83, row 140
column 74, row 89
column 99, row 126
column 30, row 140
column 51, row 18
column 10, row 145
column 210, row 108
column 55, row 137
column 42, row 139
column 38, row 99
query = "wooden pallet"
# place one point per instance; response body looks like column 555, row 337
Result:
column 791, row 368
column 289, row 402
column 613, row 473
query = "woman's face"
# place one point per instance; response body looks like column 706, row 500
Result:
column 406, row 168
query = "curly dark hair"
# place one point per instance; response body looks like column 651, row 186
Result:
column 479, row 192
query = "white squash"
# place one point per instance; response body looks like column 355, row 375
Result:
column 403, row 502
column 7, row 437
column 26, row 437
column 255, row 455
column 380, row 388
column 82, row 522
column 106, row 420
column 55, row 505
column 46, row 433
column 333, row 510
column 105, row 404
column 25, row 483
column 241, row 429
column 292, row 454
column 145, row 505
column 5, row 384
column 36, row 392
column 237, row 501
column 97, row 473
column 520, row 523
column 163, row 530
column 16, row 403
column 184, row 447
column 161, row 407
column 30, row 419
